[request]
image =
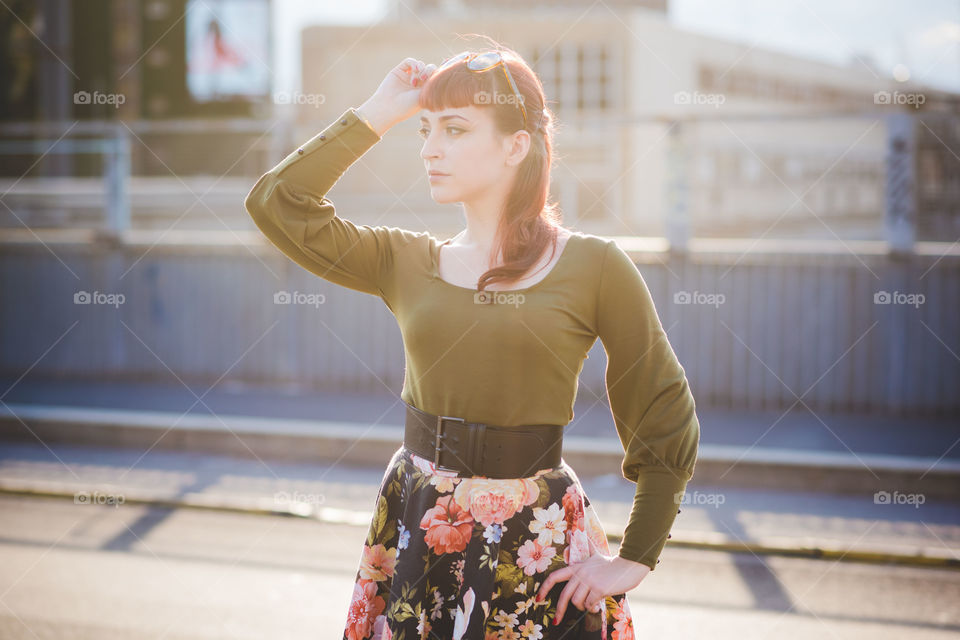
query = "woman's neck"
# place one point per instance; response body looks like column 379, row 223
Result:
column 480, row 233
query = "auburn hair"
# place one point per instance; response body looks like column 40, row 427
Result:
column 528, row 222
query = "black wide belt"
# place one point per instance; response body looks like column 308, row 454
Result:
column 479, row 449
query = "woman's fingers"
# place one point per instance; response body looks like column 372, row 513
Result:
column 574, row 593
column 579, row 599
column 420, row 72
column 412, row 68
column 557, row 576
column 416, row 73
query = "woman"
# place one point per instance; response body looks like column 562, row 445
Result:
column 488, row 534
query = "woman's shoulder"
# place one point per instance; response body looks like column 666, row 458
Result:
column 597, row 245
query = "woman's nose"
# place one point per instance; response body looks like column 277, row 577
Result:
column 428, row 151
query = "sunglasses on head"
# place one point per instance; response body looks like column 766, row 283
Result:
column 480, row 62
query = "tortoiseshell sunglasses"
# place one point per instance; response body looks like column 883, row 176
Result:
column 480, row 62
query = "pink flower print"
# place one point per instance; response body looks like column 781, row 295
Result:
column 365, row 606
column 623, row 627
column 378, row 562
column 573, row 508
column 595, row 531
column 444, row 484
column 578, row 548
column 381, row 631
column 448, row 526
column 494, row 500
column 534, row 558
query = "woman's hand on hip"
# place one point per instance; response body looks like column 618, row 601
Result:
column 592, row 580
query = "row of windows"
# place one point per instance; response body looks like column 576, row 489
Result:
column 575, row 75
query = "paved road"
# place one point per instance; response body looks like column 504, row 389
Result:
column 343, row 493
column 95, row 571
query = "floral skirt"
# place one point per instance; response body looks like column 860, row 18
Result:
column 462, row 557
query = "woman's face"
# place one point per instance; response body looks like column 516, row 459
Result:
column 464, row 144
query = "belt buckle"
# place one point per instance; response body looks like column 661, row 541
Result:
column 437, row 445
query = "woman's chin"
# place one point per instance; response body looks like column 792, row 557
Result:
column 441, row 197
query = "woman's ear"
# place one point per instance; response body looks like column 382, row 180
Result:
column 518, row 147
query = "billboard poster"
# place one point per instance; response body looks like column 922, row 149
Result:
column 227, row 49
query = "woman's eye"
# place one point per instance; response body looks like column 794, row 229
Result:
column 425, row 132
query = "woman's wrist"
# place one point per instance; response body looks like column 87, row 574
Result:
column 378, row 117
column 633, row 564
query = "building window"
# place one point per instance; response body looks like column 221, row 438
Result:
column 576, row 76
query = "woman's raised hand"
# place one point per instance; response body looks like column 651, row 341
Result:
column 396, row 99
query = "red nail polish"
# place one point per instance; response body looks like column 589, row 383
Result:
column 556, row 621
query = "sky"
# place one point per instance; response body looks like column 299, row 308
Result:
column 915, row 39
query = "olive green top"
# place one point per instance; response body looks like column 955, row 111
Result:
column 516, row 360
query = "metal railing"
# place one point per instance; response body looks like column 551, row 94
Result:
column 114, row 142
column 912, row 171
column 116, row 173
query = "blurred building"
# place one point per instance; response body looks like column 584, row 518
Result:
column 662, row 131
column 656, row 122
column 183, row 87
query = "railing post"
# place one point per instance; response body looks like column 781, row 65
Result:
column 117, row 179
column 900, row 214
column 677, row 210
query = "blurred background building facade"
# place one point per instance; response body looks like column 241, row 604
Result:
column 658, row 125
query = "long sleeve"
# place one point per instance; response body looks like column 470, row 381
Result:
column 289, row 205
column 652, row 405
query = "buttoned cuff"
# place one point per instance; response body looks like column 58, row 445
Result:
column 655, row 507
column 344, row 141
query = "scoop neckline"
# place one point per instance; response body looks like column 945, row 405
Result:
column 435, row 268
